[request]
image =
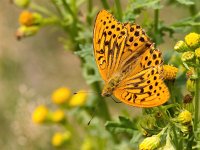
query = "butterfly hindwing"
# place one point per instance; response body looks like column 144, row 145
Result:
column 145, row 89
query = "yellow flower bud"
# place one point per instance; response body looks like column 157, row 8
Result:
column 61, row 95
column 28, row 18
column 150, row 143
column 22, row 3
column 60, row 138
column 187, row 56
column 193, row 40
column 58, row 116
column 197, row 52
column 169, row 72
column 78, row 99
column 40, row 114
column 184, row 117
column 24, row 31
column 181, row 46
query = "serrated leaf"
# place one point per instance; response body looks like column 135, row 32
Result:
column 124, row 125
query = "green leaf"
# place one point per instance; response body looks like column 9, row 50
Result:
column 185, row 2
column 124, row 125
column 90, row 71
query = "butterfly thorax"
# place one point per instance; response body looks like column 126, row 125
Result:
column 110, row 86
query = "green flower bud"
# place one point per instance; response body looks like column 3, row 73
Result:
column 22, row 3
column 169, row 145
column 150, row 143
column 24, row 31
column 190, row 84
column 181, row 46
column 187, row 56
column 193, row 40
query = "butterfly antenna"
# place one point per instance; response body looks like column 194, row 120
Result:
column 88, row 92
column 114, row 99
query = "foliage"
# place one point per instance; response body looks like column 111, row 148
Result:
column 175, row 124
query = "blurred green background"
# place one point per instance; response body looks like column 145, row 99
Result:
column 32, row 68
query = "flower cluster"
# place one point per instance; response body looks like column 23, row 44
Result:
column 190, row 49
column 64, row 99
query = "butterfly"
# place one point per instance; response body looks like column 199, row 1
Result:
column 128, row 62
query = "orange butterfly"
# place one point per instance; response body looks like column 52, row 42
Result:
column 128, row 62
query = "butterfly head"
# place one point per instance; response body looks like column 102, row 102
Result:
column 109, row 87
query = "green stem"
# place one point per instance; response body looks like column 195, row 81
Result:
column 89, row 15
column 40, row 9
column 103, row 112
column 193, row 12
column 156, row 21
column 51, row 21
column 105, row 4
column 196, row 113
column 119, row 9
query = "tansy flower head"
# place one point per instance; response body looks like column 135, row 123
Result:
column 40, row 114
column 22, row 3
column 58, row 116
column 181, row 46
column 60, row 138
column 27, row 18
column 150, row 143
column 193, row 40
column 24, row 31
column 169, row 72
column 184, row 117
column 78, row 99
column 187, row 56
column 61, row 95
column 197, row 52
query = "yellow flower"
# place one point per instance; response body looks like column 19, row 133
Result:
column 87, row 144
column 150, row 143
column 60, row 138
column 40, row 114
column 58, row 116
column 187, row 56
column 184, row 117
column 61, row 95
column 169, row 72
column 197, row 52
column 24, row 31
column 78, row 99
column 22, row 3
column 192, row 39
column 181, row 46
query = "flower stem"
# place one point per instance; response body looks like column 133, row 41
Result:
column 156, row 21
column 118, row 9
column 196, row 113
column 105, row 4
column 89, row 15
